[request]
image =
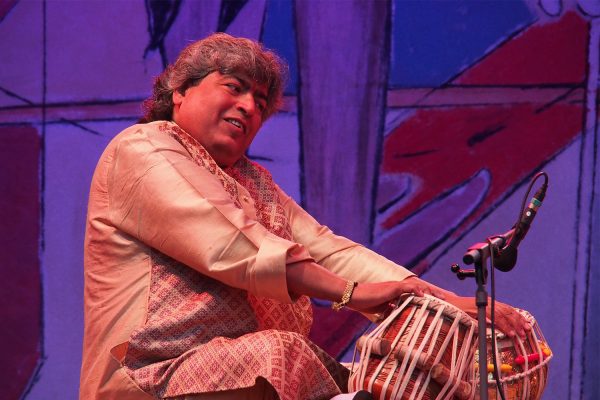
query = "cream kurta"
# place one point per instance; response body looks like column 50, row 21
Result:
column 149, row 197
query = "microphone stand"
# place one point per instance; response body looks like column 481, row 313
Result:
column 478, row 255
column 503, row 251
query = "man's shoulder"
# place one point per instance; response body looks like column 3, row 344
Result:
column 156, row 130
column 143, row 137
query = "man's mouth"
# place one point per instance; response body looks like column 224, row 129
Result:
column 236, row 123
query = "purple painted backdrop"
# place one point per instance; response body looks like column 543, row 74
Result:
column 410, row 127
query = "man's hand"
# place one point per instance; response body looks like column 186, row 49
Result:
column 508, row 320
column 377, row 297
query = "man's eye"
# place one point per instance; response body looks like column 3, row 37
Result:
column 261, row 106
column 233, row 86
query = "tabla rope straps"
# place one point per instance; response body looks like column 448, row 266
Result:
column 338, row 305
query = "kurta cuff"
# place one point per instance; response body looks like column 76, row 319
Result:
column 267, row 278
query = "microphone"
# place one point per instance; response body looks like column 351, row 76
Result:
column 508, row 255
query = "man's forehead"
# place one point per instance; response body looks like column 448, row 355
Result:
column 259, row 88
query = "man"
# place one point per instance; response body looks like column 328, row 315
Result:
column 198, row 268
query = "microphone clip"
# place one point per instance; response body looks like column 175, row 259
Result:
column 463, row 274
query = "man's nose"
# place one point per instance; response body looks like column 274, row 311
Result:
column 246, row 104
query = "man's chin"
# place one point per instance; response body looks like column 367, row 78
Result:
column 227, row 160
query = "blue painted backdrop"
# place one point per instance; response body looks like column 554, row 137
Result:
column 439, row 111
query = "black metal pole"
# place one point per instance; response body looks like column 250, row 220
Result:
column 478, row 255
column 481, row 300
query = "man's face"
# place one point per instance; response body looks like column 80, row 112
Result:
column 222, row 112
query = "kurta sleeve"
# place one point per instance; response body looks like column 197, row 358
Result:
column 339, row 254
column 160, row 196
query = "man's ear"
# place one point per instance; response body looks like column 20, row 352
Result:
column 177, row 97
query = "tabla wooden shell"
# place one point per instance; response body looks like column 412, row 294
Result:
column 523, row 364
column 423, row 350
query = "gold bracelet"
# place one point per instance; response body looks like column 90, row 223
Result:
column 337, row 306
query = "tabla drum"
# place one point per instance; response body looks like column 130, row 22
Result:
column 423, row 350
column 522, row 364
